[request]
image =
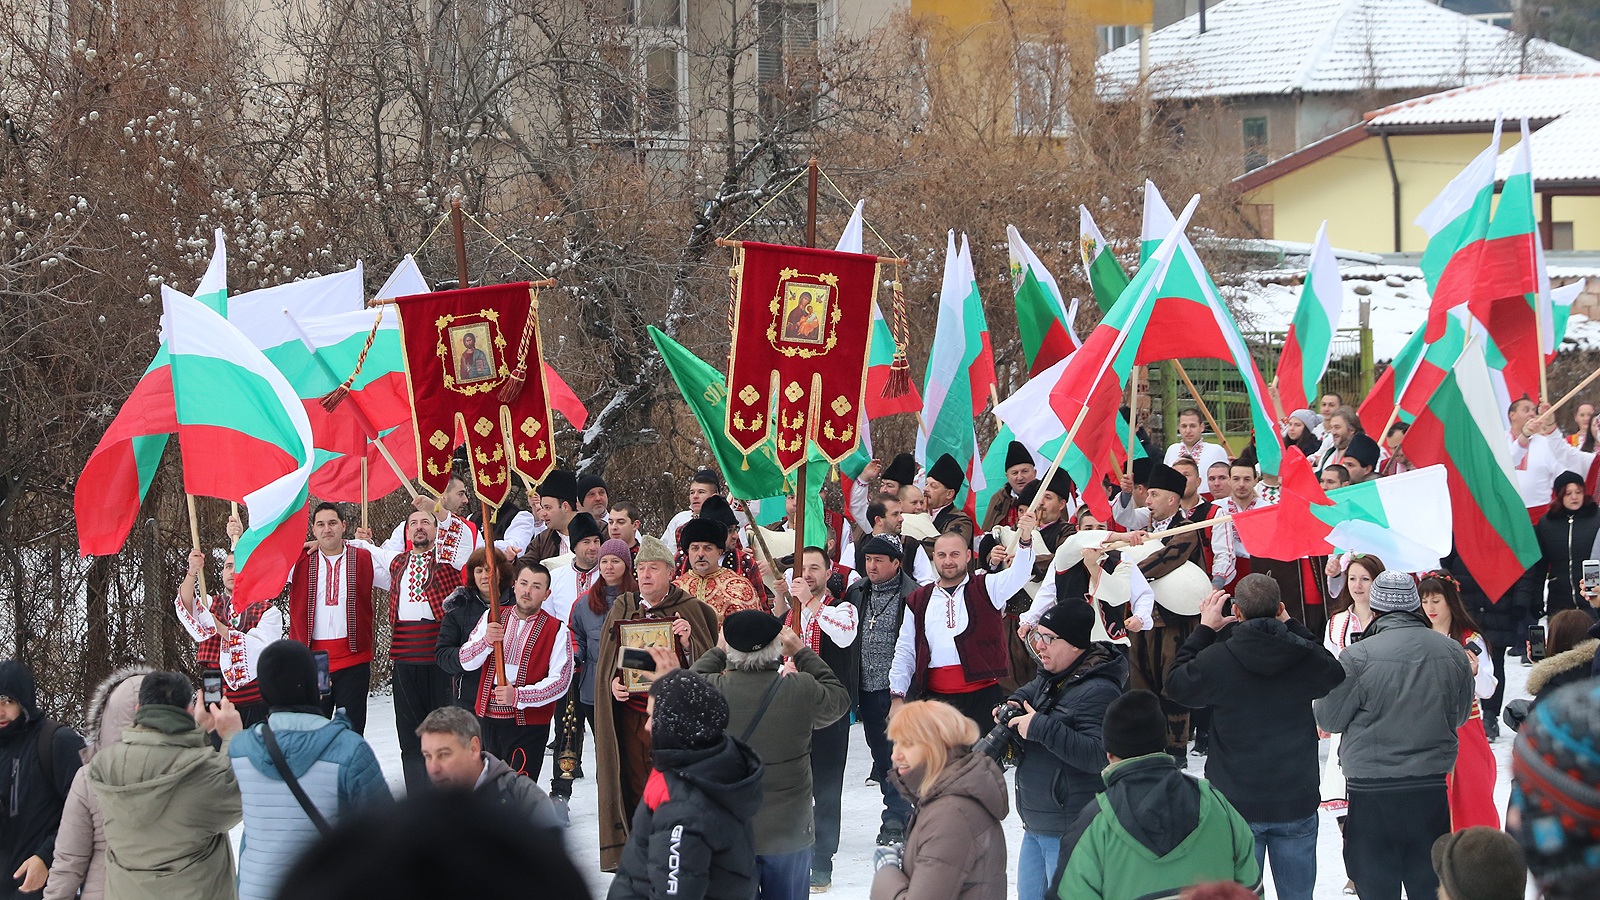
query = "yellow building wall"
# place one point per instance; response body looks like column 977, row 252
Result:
column 962, row 15
column 1351, row 189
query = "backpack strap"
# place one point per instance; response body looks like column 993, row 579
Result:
column 47, row 755
column 282, row 765
column 766, row 701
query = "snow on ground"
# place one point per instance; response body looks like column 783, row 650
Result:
column 852, row 868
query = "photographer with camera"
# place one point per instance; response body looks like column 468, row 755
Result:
column 1055, row 721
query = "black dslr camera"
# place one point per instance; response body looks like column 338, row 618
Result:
column 1001, row 743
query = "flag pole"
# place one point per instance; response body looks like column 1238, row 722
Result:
column 1206, row 411
column 498, row 647
column 800, row 496
column 1133, row 413
column 1569, row 395
column 194, row 537
column 234, row 542
column 1181, row 529
column 363, row 490
column 774, row 587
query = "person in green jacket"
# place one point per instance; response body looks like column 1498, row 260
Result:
column 1155, row 830
column 169, row 799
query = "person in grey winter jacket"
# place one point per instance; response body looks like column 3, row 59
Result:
column 334, row 766
column 80, row 863
column 1259, row 677
column 452, row 747
column 1059, row 715
column 1407, row 688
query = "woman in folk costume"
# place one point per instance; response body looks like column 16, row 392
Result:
column 1352, row 614
column 1471, row 784
column 622, row 745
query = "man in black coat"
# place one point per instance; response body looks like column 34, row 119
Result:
column 692, row 834
column 34, row 781
column 880, row 602
column 1061, row 713
column 1259, row 677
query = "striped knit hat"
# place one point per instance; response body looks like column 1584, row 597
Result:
column 1394, row 592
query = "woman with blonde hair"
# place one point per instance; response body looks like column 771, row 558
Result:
column 955, row 847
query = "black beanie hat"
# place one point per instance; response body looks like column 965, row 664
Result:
column 1028, row 492
column 560, row 484
column 884, row 545
column 902, row 470
column 582, row 525
column 1018, row 455
column 1168, row 479
column 587, row 483
column 716, row 508
column 1135, row 725
column 1072, row 620
column 1141, row 470
column 1060, row 485
column 947, row 472
column 748, row 630
column 287, row 674
column 16, row 682
column 1363, row 449
column 689, row 714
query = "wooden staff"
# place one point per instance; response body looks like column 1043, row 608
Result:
column 1181, row 529
column 194, row 536
column 805, row 442
column 1133, row 413
column 498, row 647
column 234, row 542
column 778, row 596
column 1055, row 464
column 1204, row 410
column 1569, row 395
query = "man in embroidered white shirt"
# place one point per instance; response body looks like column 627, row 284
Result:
column 457, row 537
column 230, row 634
column 1230, row 561
column 538, row 668
column 1191, row 428
column 1539, row 453
column 952, row 644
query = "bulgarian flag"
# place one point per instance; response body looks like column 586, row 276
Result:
column 1385, row 394
column 1105, row 273
column 244, row 436
column 1192, row 321
column 1403, row 519
column 1512, row 289
column 112, row 486
column 960, row 376
column 1043, row 320
column 1316, row 318
column 1085, row 390
column 881, row 346
column 1460, row 429
column 1457, row 223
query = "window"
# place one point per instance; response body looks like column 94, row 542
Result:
column 1255, row 142
column 1042, row 75
column 1560, row 235
column 786, row 58
column 645, row 67
column 1114, row 36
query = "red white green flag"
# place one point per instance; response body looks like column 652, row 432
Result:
column 1511, row 288
column 1460, row 428
column 1044, row 321
column 112, row 486
column 244, row 436
column 1105, row 273
column 1457, row 222
column 1192, row 321
column 960, row 376
column 1305, row 351
column 881, row 346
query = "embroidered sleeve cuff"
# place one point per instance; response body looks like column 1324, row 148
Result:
column 235, row 660
column 200, row 626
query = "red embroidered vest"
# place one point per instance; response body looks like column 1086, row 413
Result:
column 357, row 646
column 536, row 653
column 413, row 642
column 981, row 647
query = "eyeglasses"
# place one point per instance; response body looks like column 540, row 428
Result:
column 1046, row 639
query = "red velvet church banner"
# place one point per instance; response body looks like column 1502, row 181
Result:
column 472, row 360
column 798, row 365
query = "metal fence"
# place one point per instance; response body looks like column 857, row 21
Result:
column 1350, row 374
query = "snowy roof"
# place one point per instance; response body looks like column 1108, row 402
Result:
column 1398, row 297
column 1564, row 150
column 1282, row 46
column 1539, row 97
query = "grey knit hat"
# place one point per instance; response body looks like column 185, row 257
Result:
column 690, row 713
column 1394, row 592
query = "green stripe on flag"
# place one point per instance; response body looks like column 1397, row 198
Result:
column 219, row 393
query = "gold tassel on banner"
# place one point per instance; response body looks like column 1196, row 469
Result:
column 513, row 386
column 898, row 384
column 331, row 400
column 734, row 271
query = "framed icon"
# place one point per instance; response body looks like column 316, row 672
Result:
column 640, row 634
column 472, row 353
column 805, row 312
